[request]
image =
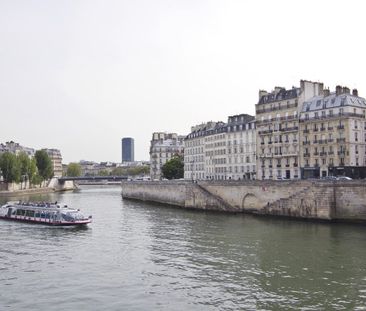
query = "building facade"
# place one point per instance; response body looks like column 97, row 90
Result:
column 333, row 130
column 221, row 151
column 163, row 147
column 277, row 123
column 16, row 148
column 56, row 158
column 128, row 149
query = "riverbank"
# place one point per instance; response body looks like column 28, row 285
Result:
column 52, row 186
column 313, row 200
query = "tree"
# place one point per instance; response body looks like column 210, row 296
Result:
column 174, row 168
column 10, row 167
column 73, row 170
column 44, row 164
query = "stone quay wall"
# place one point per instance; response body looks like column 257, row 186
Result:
column 321, row 200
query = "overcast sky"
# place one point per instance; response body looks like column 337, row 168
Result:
column 80, row 75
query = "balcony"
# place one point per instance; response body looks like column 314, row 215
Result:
column 287, row 165
column 306, row 155
column 322, row 129
column 306, row 142
column 330, row 140
column 316, row 129
column 296, row 165
column 330, row 152
column 306, row 131
column 341, row 140
column 315, row 141
column 278, row 165
column 322, row 154
column 322, row 141
column 340, row 127
column 264, row 132
column 341, row 153
column 330, row 128
column 316, row 153
column 289, row 129
column 269, row 143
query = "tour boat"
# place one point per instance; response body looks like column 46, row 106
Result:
column 52, row 214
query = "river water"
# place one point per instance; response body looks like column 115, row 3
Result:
column 139, row 256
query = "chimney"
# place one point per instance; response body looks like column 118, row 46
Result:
column 354, row 92
column 326, row 92
column 262, row 93
column 277, row 89
column 338, row 90
column 346, row 90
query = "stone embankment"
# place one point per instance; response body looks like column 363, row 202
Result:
column 318, row 200
column 53, row 185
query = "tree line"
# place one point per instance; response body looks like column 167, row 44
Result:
column 20, row 167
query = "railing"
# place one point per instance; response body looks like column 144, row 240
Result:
column 322, row 154
column 276, row 108
column 306, row 142
column 341, row 140
column 306, row 155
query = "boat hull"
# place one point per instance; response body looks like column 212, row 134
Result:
column 48, row 222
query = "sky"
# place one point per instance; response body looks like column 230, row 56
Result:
column 78, row 75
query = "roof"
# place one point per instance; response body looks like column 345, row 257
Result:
column 282, row 94
column 333, row 101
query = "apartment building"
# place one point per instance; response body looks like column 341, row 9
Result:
column 56, row 159
column 277, row 130
column 333, row 130
column 220, row 151
column 241, row 147
column 163, row 147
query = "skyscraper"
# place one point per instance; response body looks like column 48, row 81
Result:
column 128, row 149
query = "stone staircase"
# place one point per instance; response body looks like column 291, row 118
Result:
column 221, row 203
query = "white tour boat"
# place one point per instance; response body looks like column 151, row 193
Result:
column 52, row 214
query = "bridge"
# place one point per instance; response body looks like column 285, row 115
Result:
column 92, row 178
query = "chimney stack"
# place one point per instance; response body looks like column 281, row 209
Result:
column 338, row 90
column 346, row 90
column 354, row 92
column 262, row 93
column 326, row 92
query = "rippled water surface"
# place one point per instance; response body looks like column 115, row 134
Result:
column 138, row 256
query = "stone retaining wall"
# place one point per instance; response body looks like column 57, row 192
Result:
column 324, row 200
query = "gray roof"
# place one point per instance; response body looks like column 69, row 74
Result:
column 333, row 101
column 283, row 94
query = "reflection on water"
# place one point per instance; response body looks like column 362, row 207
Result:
column 138, row 256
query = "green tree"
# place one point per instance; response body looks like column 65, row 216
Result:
column 44, row 164
column 10, row 167
column 103, row 173
column 73, row 170
column 174, row 168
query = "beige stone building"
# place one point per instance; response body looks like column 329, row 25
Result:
column 220, row 151
column 163, row 147
column 56, row 158
column 277, row 123
column 333, row 130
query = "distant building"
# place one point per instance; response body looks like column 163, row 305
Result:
column 163, row 147
column 16, row 148
column 56, row 158
column 128, row 149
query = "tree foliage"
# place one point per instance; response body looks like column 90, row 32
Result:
column 174, row 168
column 44, row 164
column 73, row 170
column 10, row 168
